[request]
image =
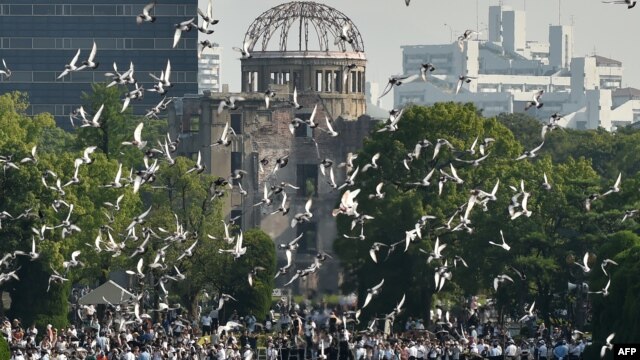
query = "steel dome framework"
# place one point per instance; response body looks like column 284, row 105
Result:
column 313, row 21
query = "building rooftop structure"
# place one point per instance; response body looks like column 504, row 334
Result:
column 292, row 48
column 603, row 61
column 298, row 18
column 508, row 70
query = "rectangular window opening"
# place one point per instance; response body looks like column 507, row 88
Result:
column 236, row 163
column 194, row 124
column 236, row 123
column 307, row 180
column 309, row 241
column 318, row 81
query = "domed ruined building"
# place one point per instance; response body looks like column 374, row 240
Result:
column 310, row 47
column 316, row 52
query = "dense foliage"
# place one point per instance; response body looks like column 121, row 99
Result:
column 175, row 198
column 544, row 246
column 5, row 352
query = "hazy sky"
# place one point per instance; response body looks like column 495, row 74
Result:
column 385, row 25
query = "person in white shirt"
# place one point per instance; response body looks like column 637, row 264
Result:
column 248, row 353
column 481, row 347
column 61, row 355
column 128, row 355
column 473, row 349
column 420, row 350
column 361, row 352
column 32, row 332
column 272, row 352
column 495, row 350
column 17, row 355
column 222, row 355
column 309, row 333
column 157, row 355
column 44, row 354
column 413, row 351
column 206, row 325
column 473, row 333
column 511, row 351
column 435, row 352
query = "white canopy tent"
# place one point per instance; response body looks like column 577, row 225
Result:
column 107, row 293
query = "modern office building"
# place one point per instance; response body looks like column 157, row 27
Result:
column 328, row 78
column 507, row 71
column 37, row 39
column 209, row 70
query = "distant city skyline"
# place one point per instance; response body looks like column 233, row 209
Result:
column 424, row 22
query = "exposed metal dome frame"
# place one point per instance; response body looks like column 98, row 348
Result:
column 325, row 20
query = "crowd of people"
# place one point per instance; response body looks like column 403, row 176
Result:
column 288, row 333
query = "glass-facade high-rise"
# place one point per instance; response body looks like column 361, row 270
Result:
column 38, row 37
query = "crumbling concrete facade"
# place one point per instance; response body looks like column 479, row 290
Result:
column 332, row 81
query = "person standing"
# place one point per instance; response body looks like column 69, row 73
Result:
column 495, row 351
column 309, row 334
column 421, row 350
column 574, row 350
column 455, row 351
column 251, row 322
column 221, row 352
column 481, row 348
column 244, row 339
column 473, row 332
column 247, row 354
column 206, row 324
column 272, row 352
column 284, row 349
column 145, row 354
column 214, row 318
column 361, row 352
column 540, row 351
column 333, row 323
column 561, row 351
column 511, row 351
column 128, row 354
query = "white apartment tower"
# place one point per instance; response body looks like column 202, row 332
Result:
column 209, row 69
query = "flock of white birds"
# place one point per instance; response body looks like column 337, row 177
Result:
column 130, row 310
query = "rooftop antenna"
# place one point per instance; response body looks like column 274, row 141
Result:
column 477, row 20
column 559, row 10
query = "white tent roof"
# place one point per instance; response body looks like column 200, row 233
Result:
column 109, row 291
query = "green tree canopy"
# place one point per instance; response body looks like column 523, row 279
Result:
column 180, row 202
column 544, row 246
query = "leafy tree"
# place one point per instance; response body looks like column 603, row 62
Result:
column 260, row 252
column 558, row 229
column 23, row 192
column 5, row 352
column 617, row 312
column 175, row 198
